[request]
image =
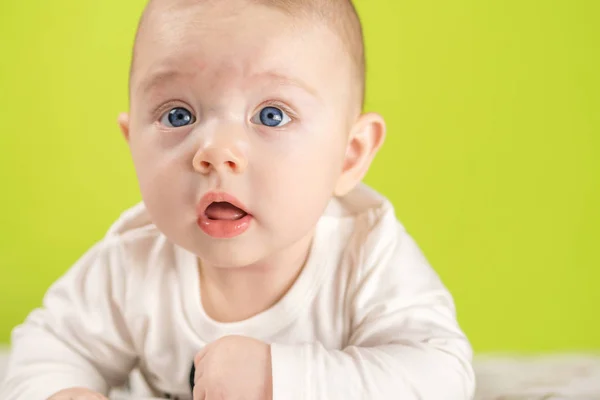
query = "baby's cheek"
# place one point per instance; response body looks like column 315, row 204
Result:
column 165, row 201
column 160, row 183
column 304, row 188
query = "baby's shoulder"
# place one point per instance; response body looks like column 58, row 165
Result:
column 365, row 217
column 375, row 246
column 360, row 235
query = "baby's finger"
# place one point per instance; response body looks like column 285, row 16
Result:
column 198, row 374
column 199, row 391
column 200, row 356
column 198, row 370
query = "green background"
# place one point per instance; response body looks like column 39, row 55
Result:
column 492, row 157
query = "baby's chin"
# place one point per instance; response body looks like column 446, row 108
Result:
column 226, row 264
column 246, row 250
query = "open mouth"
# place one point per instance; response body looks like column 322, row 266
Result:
column 222, row 216
column 224, row 211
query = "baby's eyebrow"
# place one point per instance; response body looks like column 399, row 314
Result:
column 161, row 76
column 286, row 80
column 156, row 78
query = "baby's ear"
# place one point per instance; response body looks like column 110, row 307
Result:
column 124, row 124
column 366, row 137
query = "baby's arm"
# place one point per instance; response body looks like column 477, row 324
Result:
column 405, row 342
column 79, row 337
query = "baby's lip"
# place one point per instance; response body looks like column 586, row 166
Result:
column 218, row 197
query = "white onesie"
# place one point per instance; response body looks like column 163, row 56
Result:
column 368, row 318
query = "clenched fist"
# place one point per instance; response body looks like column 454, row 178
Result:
column 234, row 367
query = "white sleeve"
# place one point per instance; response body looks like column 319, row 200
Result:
column 405, row 343
column 79, row 337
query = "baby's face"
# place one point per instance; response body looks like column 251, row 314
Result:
column 244, row 101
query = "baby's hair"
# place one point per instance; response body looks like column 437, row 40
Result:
column 339, row 15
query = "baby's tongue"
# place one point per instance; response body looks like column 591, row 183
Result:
column 224, row 211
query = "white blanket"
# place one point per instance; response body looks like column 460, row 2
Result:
column 502, row 377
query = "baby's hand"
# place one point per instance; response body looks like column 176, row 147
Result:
column 234, row 367
column 77, row 394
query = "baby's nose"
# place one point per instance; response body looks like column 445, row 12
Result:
column 219, row 159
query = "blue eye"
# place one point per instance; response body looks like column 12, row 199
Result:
column 272, row 117
column 177, row 118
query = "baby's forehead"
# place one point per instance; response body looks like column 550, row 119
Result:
column 254, row 43
column 241, row 38
column 339, row 16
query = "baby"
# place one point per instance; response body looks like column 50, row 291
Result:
column 257, row 256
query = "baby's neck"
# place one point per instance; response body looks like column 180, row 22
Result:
column 232, row 295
